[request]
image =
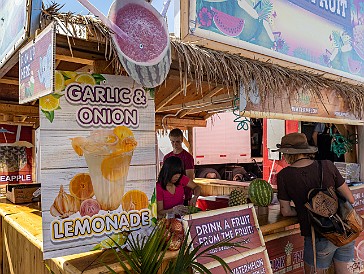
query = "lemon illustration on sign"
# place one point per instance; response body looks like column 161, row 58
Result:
column 70, row 75
column 85, row 78
column 49, row 103
column 77, row 144
column 123, row 132
column 134, row 200
column 117, row 238
column 115, row 166
column 81, row 186
column 59, row 81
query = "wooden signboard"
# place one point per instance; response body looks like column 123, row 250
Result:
column 36, row 66
column 257, row 263
column 330, row 107
column 286, row 253
column 213, row 226
column 98, row 161
column 358, row 193
column 358, row 265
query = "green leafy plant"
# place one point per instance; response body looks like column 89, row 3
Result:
column 147, row 254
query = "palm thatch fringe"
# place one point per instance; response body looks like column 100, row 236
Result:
column 216, row 67
column 269, row 80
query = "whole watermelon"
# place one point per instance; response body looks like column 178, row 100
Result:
column 260, row 192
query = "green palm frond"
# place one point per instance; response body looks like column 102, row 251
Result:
column 188, row 255
column 264, row 8
column 147, row 252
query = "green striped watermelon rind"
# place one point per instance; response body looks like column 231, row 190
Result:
column 260, row 192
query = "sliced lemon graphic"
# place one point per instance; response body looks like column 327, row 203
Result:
column 59, row 81
column 70, row 74
column 85, row 78
column 115, row 167
column 134, row 200
column 81, row 186
column 119, row 238
column 77, row 144
column 49, row 103
column 123, row 132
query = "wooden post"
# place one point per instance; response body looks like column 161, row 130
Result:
column 361, row 151
column 190, row 139
column 34, row 162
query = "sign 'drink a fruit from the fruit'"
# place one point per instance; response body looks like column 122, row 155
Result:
column 260, row 192
column 145, row 54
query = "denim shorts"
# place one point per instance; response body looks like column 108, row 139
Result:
column 327, row 252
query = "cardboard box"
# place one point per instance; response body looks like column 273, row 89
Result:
column 22, row 193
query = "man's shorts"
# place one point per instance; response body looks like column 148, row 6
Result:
column 327, row 252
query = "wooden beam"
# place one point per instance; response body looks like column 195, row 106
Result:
column 11, row 123
column 9, row 65
column 175, row 122
column 170, row 98
column 214, row 107
column 19, row 109
column 74, row 59
column 198, row 103
column 9, row 81
column 183, row 113
column 57, row 63
column 213, row 92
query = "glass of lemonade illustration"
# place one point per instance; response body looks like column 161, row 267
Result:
column 108, row 154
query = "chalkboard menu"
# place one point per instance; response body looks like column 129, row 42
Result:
column 211, row 227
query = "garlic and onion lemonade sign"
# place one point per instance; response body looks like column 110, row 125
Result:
column 104, row 187
column 36, row 64
column 211, row 227
column 285, row 30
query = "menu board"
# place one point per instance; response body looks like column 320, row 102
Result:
column 239, row 223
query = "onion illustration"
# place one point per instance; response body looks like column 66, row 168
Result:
column 89, row 207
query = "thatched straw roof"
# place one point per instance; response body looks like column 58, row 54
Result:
column 203, row 65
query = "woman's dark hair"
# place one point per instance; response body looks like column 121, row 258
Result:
column 171, row 166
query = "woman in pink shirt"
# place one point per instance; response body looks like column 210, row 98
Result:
column 170, row 188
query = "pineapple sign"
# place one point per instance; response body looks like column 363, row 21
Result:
column 104, row 188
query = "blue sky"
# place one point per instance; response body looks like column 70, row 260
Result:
column 104, row 5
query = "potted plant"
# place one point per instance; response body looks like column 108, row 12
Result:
column 147, row 252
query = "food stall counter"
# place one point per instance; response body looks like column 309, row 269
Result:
column 21, row 238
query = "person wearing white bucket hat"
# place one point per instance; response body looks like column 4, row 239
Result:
column 294, row 183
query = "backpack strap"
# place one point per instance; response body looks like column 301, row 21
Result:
column 321, row 172
column 314, row 249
